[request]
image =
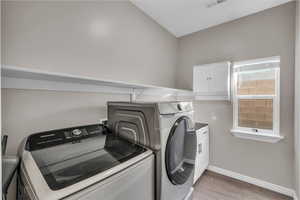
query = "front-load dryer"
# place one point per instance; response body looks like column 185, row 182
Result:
column 178, row 146
column 168, row 129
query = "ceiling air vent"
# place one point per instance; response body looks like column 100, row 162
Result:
column 215, row 3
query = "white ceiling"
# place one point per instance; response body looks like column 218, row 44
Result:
column 182, row 17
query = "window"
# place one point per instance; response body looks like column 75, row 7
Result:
column 256, row 99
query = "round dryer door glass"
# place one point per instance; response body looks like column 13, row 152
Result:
column 181, row 151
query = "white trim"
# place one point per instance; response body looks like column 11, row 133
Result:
column 256, row 96
column 260, row 183
column 25, row 78
column 20, row 83
column 276, row 104
column 297, row 100
column 276, row 114
column 212, row 98
column 255, row 131
column 271, row 138
column 274, row 59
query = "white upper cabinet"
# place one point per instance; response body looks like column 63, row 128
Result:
column 212, row 81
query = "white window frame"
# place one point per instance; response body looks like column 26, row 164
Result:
column 255, row 133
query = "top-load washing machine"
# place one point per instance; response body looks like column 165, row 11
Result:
column 168, row 129
column 84, row 163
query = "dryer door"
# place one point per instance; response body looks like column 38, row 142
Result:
column 181, row 151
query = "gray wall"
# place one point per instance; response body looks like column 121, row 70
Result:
column 108, row 39
column 116, row 41
column 264, row 34
column 111, row 40
column 297, row 103
column 29, row 111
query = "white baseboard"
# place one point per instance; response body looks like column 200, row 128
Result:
column 254, row 181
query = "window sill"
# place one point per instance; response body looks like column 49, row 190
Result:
column 252, row 136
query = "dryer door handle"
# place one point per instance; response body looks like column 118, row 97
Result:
column 200, row 148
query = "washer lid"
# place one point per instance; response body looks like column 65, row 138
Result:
column 66, row 164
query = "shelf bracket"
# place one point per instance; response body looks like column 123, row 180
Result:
column 133, row 95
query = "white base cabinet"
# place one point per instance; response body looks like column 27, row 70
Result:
column 202, row 156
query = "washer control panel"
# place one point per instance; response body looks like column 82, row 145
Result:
column 56, row 137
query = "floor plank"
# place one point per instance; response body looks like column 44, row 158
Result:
column 212, row 186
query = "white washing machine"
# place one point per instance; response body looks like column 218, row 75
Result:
column 170, row 133
column 84, row 163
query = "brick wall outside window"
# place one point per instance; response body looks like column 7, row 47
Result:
column 256, row 113
column 256, row 87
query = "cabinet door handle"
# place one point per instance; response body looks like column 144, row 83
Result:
column 200, row 148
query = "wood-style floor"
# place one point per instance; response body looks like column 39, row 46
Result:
column 213, row 186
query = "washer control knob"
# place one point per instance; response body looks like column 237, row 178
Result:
column 76, row 132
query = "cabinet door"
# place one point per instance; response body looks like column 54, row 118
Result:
column 198, row 158
column 219, row 80
column 205, row 149
column 202, row 158
column 197, row 170
column 202, row 155
column 201, row 79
